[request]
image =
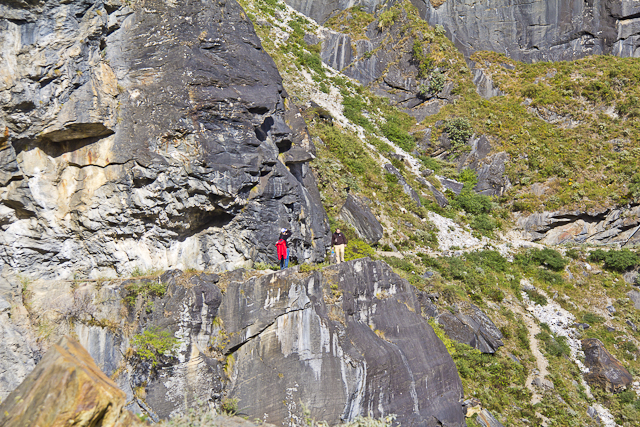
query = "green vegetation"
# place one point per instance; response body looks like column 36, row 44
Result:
column 357, row 248
column 615, row 260
column 459, row 130
column 144, row 289
column 152, row 344
column 553, row 345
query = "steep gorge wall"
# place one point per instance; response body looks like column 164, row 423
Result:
column 146, row 134
column 538, row 30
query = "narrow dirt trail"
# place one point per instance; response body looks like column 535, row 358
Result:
column 542, row 365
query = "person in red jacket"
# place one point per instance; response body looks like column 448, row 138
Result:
column 281, row 246
column 283, row 249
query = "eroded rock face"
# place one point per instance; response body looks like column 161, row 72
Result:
column 605, row 371
column 468, row 325
column 344, row 341
column 67, row 388
column 17, row 355
column 128, row 146
column 604, row 226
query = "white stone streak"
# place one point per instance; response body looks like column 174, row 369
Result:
column 560, row 322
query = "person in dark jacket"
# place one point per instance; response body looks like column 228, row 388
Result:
column 284, row 236
column 339, row 241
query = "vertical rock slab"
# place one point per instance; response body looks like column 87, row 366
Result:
column 357, row 214
column 472, row 326
column 605, row 371
column 66, row 388
column 341, row 342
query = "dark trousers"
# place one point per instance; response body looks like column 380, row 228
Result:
column 284, row 263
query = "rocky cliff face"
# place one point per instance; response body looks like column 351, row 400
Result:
column 146, row 134
column 340, row 342
column 539, row 30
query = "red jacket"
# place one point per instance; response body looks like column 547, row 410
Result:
column 282, row 249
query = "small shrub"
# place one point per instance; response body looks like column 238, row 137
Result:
column 550, row 277
column 396, row 130
column 144, row 289
column 483, row 223
column 522, row 334
column 554, row 345
column 459, row 130
column 591, row 318
column 573, row 253
column 615, row 260
column 548, row 258
column 388, row 18
column 472, row 202
column 153, row 343
column 265, row 266
column 357, row 248
column 229, row 406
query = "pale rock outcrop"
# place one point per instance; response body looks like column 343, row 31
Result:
column 598, row 226
column 67, row 388
column 17, row 352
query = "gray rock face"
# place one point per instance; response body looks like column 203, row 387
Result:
column 127, row 147
column 344, row 341
column 341, row 352
column 634, row 296
column 484, row 84
column 384, row 61
column 605, row 226
column 468, row 325
column 605, row 371
column 358, row 214
column 539, row 30
column 489, row 168
column 322, row 10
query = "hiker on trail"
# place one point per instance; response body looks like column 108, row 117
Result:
column 283, row 249
column 339, row 241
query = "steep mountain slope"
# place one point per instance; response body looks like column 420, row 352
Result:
column 490, row 108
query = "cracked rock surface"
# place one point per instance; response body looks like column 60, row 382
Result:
column 537, row 30
column 340, row 342
column 146, row 135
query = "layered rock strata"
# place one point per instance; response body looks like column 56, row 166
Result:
column 604, row 226
column 147, row 134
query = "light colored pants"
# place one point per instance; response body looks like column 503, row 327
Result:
column 339, row 253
